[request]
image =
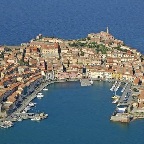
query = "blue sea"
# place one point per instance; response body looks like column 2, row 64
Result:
column 77, row 115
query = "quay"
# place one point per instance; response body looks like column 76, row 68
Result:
column 17, row 115
column 123, row 108
column 86, row 82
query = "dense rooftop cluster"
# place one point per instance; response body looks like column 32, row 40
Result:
column 23, row 68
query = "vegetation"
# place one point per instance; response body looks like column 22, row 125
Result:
column 101, row 48
column 78, row 44
column 120, row 49
column 2, row 55
column 98, row 47
column 21, row 62
column 7, row 49
column 135, row 90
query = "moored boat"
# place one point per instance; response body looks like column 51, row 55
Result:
column 45, row 89
column 32, row 104
column 115, row 100
column 40, row 95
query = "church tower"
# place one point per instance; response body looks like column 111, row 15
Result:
column 107, row 30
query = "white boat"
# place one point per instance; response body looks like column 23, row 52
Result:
column 112, row 88
column 45, row 89
column 40, row 95
column 115, row 100
column 19, row 119
column 6, row 124
column 23, row 111
column 124, row 87
column 91, row 81
column 36, row 119
column 32, row 104
column 27, row 108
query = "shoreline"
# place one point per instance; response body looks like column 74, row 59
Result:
column 33, row 95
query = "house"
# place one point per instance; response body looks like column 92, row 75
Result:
column 141, row 99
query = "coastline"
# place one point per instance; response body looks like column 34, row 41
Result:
column 34, row 95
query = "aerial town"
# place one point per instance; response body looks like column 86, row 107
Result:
column 43, row 60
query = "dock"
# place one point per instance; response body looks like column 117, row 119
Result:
column 121, row 117
column 121, row 114
column 85, row 82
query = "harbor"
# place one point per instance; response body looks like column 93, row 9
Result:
column 126, row 104
column 21, row 112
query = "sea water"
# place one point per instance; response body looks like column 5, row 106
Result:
column 77, row 115
column 22, row 20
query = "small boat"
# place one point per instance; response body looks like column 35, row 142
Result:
column 32, row 104
column 6, row 124
column 45, row 89
column 115, row 100
column 114, row 97
column 91, row 81
column 23, row 111
column 27, row 108
column 40, row 95
column 19, row 119
column 36, row 119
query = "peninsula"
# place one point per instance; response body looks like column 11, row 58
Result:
column 28, row 68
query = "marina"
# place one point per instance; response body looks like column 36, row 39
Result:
column 86, row 111
column 21, row 113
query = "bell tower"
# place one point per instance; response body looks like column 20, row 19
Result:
column 107, row 30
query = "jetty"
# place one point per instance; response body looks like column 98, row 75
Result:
column 85, row 82
column 121, row 113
